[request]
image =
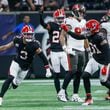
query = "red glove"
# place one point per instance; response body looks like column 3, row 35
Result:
column 64, row 27
column 104, row 70
column 77, row 30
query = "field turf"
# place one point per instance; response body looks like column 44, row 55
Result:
column 41, row 95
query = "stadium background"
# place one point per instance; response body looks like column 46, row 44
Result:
column 7, row 23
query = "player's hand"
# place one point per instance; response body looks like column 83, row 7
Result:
column 65, row 48
column 64, row 27
column 104, row 73
column 48, row 73
column 77, row 30
column 104, row 70
column 70, row 51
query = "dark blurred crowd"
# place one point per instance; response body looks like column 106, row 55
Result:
column 49, row 5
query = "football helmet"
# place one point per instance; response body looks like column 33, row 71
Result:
column 59, row 15
column 78, row 10
column 92, row 27
column 27, row 33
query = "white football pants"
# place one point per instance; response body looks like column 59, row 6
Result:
column 92, row 66
column 17, row 73
column 58, row 59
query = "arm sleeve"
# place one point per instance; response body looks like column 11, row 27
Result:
column 41, row 54
column 42, row 21
column 15, row 40
column 36, row 45
column 100, row 37
column 105, row 54
column 78, row 37
column 44, row 59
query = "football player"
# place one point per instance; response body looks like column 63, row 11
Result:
column 57, row 54
column 17, row 32
column 99, row 46
column 26, row 47
column 76, row 50
column 105, row 23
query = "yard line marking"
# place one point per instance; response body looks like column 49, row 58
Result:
column 100, row 91
column 89, row 107
column 94, row 82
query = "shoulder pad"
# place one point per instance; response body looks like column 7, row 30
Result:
column 103, row 32
column 36, row 41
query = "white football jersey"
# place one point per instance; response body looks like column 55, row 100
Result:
column 106, row 25
column 71, row 42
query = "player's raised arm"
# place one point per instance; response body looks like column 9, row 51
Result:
column 45, row 25
column 7, row 46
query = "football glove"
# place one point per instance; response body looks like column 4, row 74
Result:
column 104, row 73
column 68, row 50
column 64, row 27
column 104, row 70
column 65, row 48
column 48, row 73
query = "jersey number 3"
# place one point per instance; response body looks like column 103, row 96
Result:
column 23, row 55
column 55, row 38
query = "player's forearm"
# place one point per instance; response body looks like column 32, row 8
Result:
column 9, row 34
column 7, row 46
column 62, row 38
column 106, row 53
column 86, row 44
column 44, row 59
column 78, row 37
column 2, row 48
column 42, row 21
column 105, row 49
